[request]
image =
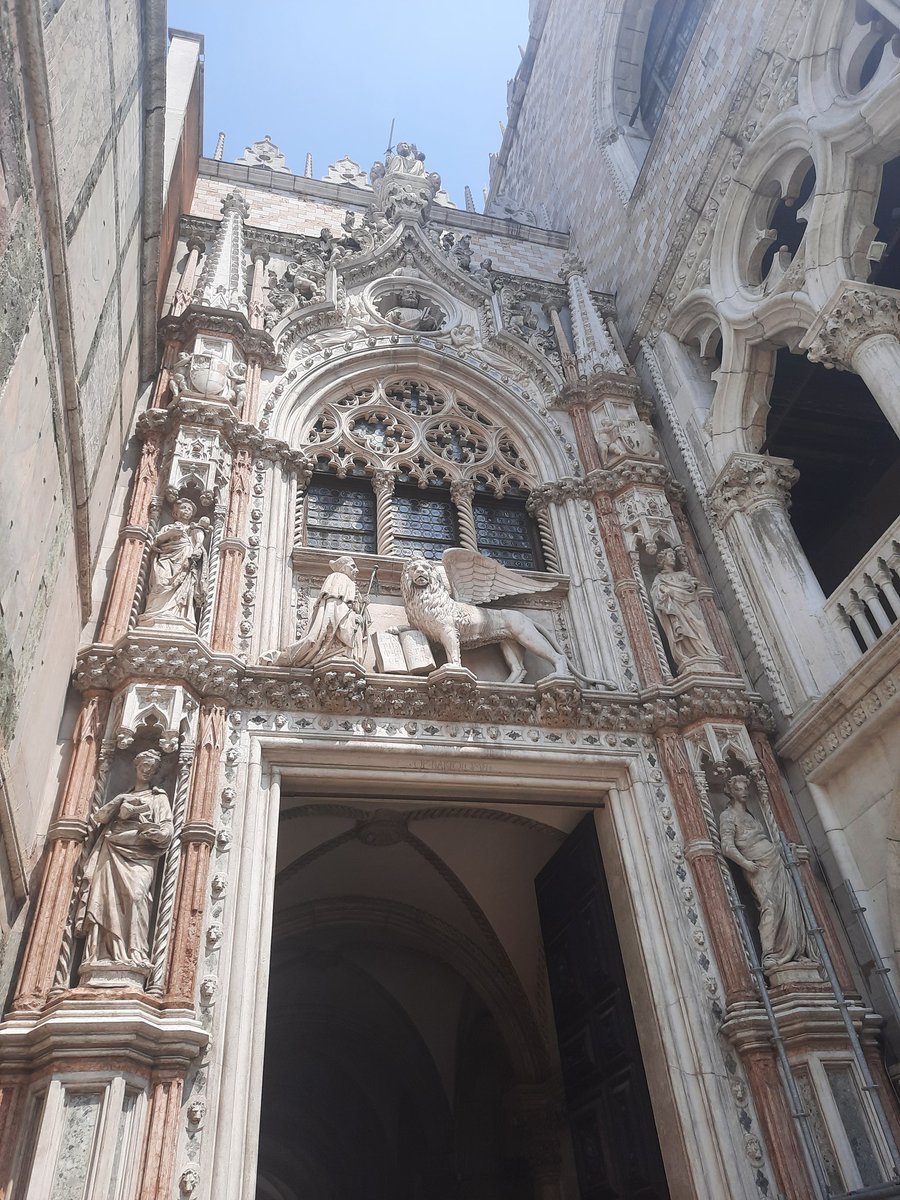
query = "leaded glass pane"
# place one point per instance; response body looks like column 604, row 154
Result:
column 849, row 1105
column 504, row 532
column 339, row 517
column 426, row 524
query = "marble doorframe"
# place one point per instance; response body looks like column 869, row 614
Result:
column 702, row 1141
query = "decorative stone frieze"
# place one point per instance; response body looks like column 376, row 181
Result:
column 748, row 481
column 238, row 434
column 197, row 319
column 855, row 313
column 597, row 387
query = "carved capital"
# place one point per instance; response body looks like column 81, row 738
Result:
column 462, row 491
column 855, row 313
column 383, row 483
column 748, row 481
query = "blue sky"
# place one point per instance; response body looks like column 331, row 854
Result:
column 329, row 77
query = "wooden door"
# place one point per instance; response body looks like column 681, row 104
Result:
column 608, row 1106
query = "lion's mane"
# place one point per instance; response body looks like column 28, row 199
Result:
column 430, row 608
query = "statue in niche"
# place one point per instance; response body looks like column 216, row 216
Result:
column 677, row 607
column 178, row 574
column 782, row 930
column 413, row 313
column 115, row 898
column 628, row 439
column 442, row 601
column 338, row 625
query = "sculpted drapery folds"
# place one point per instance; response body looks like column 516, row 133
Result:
column 782, row 930
column 177, row 576
column 114, row 904
column 338, row 625
column 677, row 607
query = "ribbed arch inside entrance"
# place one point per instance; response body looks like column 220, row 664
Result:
column 401, row 1029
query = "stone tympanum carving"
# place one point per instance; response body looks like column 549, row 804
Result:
column 782, row 930
column 178, row 572
column 409, row 310
column 338, row 625
column 442, row 601
column 677, row 607
column 116, row 895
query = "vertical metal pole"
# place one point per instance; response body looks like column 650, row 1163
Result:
column 878, row 967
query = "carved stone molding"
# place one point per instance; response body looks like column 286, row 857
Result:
column 855, row 313
column 627, row 473
column 559, row 704
column 748, row 481
column 237, row 433
column 595, row 389
column 198, row 319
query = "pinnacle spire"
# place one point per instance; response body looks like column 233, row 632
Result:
column 223, row 283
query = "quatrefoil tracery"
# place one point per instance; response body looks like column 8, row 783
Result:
column 419, row 434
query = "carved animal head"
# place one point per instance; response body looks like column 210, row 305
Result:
column 418, row 573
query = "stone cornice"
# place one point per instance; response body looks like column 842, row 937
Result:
column 593, row 391
column 237, row 433
column 196, row 318
column 749, row 481
column 336, row 688
column 113, row 1028
column 862, row 698
column 854, row 313
column 628, row 472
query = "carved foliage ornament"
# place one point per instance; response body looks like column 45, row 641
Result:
column 857, row 313
column 748, row 481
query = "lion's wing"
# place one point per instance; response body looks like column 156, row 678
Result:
column 476, row 579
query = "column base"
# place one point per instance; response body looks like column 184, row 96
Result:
column 113, row 975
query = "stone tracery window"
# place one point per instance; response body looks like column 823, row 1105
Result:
column 404, row 467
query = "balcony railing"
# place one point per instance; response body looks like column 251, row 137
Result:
column 868, row 601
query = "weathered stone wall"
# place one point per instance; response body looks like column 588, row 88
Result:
column 72, row 186
column 556, row 155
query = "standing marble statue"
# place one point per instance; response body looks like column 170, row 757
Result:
column 677, row 607
column 177, row 576
column 338, row 625
column 115, row 898
column 782, row 930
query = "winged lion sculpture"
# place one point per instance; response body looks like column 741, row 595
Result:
column 442, row 600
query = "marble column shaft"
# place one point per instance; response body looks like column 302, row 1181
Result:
column 133, row 544
column 198, row 835
column 52, row 908
column 232, row 551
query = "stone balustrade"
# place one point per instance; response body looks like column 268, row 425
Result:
column 867, row 602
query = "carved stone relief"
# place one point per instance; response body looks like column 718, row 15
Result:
column 131, row 832
column 338, row 625
column 677, row 608
column 177, row 587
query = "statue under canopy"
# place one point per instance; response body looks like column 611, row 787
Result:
column 115, row 897
column 782, row 929
column 677, row 607
column 178, row 573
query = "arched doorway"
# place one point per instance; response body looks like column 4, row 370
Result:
column 411, row 1049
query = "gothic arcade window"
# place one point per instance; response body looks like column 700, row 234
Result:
column 402, row 467
column 668, row 38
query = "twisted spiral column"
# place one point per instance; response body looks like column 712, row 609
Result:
column 462, row 492
column 383, row 486
column 541, row 516
column 156, row 981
